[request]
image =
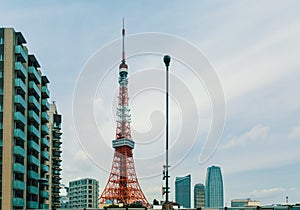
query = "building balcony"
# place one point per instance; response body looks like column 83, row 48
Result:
column 55, row 190
column 57, row 144
column 33, row 145
column 18, row 116
column 34, row 131
column 44, row 206
column 34, row 75
column 19, row 151
column 20, row 68
column 33, row 175
column 19, row 185
column 33, row 88
column 19, row 134
column 21, row 53
column 18, row 202
column 45, row 155
column 45, row 130
column 45, row 142
column 44, row 194
column 45, row 92
column 34, row 103
column 56, row 153
column 19, row 168
column 19, row 100
column 56, row 172
column 44, row 168
column 45, row 104
column 33, row 160
column 45, row 117
column 19, row 84
column 32, row 205
column 33, row 116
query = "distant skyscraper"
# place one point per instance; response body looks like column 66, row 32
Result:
column 199, row 196
column 214, row 195
column 183, row 191
column 83, row 193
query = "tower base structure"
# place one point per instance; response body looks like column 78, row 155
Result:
column 123, row 186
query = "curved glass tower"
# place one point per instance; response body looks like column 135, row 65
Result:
column 214, row 195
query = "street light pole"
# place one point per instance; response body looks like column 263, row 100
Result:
column 167, row 60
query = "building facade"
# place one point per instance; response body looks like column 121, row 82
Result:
column 183, row 191
column 55, row 155
column 24, row 132
column 244, row 203
column 214, row 195
column 83, row 193
column 199, row 196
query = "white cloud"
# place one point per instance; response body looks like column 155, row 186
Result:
column 256, row 133
column 268, row 192
column 294, row 133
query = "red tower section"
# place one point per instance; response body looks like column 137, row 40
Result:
column 123, row 186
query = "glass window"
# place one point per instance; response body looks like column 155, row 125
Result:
column 1, row 57
column 1, row 40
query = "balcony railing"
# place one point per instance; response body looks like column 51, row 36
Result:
column 45, row 155
column 19, row 168
column 32, row 204
column 18, row 116
column 34, row 102
column 45, row 92
column 45, row 104
column 33, row 160
column 45, row 142
column 33, row 145
column 19, row 185
column 19, row 50
column 44, row 194
column 19, row 151
column 33, row 175
column 34, row 130
column 18, row 202
column 32, row 115
column 34, row 88
column 45, row 129
column 20, row 100
column 45, row 117
column 19, row 67
column 34, row 74
column 19, row 134
column 20, row 84
column 45, row 168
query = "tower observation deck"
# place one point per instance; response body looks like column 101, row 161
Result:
column 123, row 186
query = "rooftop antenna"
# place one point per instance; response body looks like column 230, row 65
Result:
column 123, row 41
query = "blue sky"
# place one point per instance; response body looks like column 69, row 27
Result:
column 254, row 47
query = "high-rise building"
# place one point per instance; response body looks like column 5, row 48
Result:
column 183, row 191
column 214, row 195
column 199, row 196
column 83, row 193
column 55, row 156
column 24, row 132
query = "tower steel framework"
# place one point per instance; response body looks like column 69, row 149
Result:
column 123, row 186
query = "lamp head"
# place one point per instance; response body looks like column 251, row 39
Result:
column 167, row 60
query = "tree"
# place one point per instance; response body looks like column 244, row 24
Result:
column 155, row 202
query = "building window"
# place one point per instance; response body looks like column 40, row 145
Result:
column 1, row 40
column 1, row 57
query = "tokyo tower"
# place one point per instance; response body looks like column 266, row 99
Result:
column 123, row 186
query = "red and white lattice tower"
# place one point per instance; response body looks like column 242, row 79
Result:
column 123, row 186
